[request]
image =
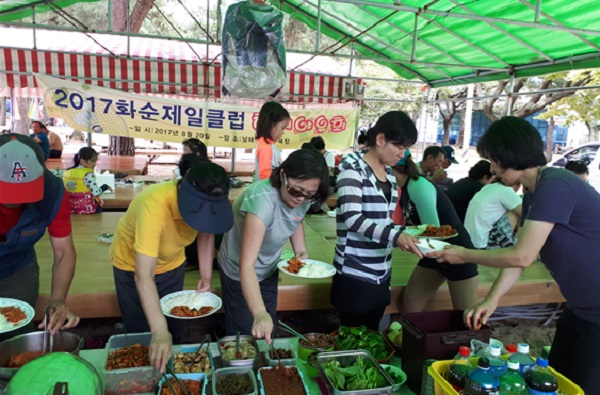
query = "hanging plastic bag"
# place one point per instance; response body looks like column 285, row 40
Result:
column 253, row 50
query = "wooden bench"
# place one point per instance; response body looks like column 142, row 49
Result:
column 132, row 165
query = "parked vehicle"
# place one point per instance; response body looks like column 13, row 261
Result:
column 588, row 154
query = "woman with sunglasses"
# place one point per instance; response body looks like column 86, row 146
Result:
column 366, row 236
column 266, row 215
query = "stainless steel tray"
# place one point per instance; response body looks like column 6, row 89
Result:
column 346, row 358
column 244, row 363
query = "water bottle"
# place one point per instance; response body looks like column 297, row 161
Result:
column 497, row 365
column 460, row 368
column 511, row 382
column 480, row 381
column 540, row 380
column 523, row 358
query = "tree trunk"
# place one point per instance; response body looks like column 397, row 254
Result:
column 126, row 146
column 446, row 137
column 2, row 110
column 21, row 124
column 550, row 139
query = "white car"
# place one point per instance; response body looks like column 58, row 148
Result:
column 587, row 153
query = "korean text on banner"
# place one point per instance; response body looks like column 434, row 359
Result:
column 100, row 110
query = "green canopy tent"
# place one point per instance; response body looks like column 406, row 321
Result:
column 442, row 42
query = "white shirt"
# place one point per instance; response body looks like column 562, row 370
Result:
column 486, row 208
column 329, row 159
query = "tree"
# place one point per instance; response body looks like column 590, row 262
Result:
column 582, row 106
column 448, row 109
column 523, row 106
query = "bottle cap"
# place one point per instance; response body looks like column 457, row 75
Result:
column 514, row 365
column 512, row 348
column 543, row 362
column 495, row 351
column 484, row 363
column 523, row 347
column 464, row 351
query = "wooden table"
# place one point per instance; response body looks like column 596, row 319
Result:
column 132, row 165
column 92, row 292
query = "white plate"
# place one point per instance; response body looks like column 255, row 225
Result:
column 27, row 309
column 437, row 244
column 417, row 230
column 331, row 213
column 309, row 262
column 191, row 299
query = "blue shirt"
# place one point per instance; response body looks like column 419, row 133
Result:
column 44, row 143
column 571, row 250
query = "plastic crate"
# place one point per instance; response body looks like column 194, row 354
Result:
column 193, row 348
column 130, row 380
column 262, row 387
column 439, row 369
column 219, row 374
column 286, row 344
column 433, row 335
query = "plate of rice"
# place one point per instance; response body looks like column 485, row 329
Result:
column 14, row 314
column 308, row 268
column 188, row 305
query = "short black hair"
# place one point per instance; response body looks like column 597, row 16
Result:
column 513, row 143
column 362, row 138
column 305, row 164
column 271, row 113
column 307, row 146
column 479, row 170
column 318, row 143
column 197, row 147
column 577, row 167
column 434, row 151
column 396, row 126
column 209, row 178
column 187, row 161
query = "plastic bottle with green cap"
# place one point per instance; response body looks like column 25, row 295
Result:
column 511, row 382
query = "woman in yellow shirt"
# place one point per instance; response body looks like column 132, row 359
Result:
column 148, row 249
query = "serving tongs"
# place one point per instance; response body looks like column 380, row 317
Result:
column 48, row 344
column 238, row 354
column 291, row 331
column 170, row 371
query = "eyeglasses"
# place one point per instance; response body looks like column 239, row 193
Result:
column 295, row 192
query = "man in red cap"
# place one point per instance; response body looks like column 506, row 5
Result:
column 31, row 201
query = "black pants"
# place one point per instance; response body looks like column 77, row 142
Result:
column 369, row 318
column 575, row 351
column 237, row 314
column 54, row 153
column 132, row 313
column 23, row 285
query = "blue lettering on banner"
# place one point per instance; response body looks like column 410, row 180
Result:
column 215, row 119
column 108, row 103
column 148, row 112
column 236, row 120
column 194, row 117
column 125, row 107
column 172, row 113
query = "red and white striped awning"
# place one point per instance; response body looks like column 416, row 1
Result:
column 154, row 66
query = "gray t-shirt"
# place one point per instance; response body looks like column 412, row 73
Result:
column 281, row 221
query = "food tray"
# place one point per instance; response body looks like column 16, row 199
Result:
column 245, row 363
column 185, row 376
column 439, row 369
column 186, row 348
column 220, row 373
column 347, row 358
column 262, row 388
column 280, row 343
column 390, row 349
column 129, row 380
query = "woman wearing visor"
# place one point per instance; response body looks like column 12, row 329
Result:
column 266, row 215
column 148, row 249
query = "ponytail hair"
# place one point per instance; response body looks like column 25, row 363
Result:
column 86, row 153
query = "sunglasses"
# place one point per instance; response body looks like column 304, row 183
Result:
column 295, row 192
